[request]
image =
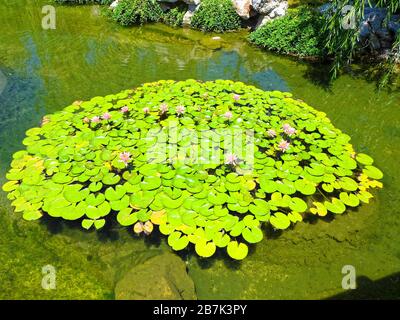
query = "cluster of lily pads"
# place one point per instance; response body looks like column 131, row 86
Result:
column 89, row 163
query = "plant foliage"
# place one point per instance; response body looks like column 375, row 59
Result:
column 95, row 161
column 105, row 2
column 299, row 33
column 216, row 15
column 342, row 43
column 134, row 12
column 174, row 16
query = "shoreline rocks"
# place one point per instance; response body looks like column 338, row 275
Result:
column 266, row 10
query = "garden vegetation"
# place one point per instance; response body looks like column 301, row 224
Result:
column 297, row 33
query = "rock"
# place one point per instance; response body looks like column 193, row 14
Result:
column 264, row 7
column 114, row 4
column 195, row 2
column 243, row 8
column 162, row 277
column 394, row 26
column 187, row 18
column 270, row 11
column 262, row 19
column 281, row 9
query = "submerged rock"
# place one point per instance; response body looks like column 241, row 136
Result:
column 163, row 277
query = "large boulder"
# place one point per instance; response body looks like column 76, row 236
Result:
column 243, row 8
column 269, row 10
column 265, row 7
column 162, row 277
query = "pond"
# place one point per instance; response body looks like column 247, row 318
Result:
column 86, row 56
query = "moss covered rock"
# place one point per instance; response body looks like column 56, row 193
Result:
column 163, row 277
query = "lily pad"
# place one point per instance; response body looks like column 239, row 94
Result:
column 237, row 251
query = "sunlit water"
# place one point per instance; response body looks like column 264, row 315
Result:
column 87, row 56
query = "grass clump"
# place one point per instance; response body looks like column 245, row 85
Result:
column 134, row 12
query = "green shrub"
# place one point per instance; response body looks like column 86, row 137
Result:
column 105, row 2
column 216, row 15
column 174, row 16
column 299, row 33
column 298, row 3
column 143, row 157
column 131, row 12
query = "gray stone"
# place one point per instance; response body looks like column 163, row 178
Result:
column 195, row 2
column 162, row 277
column 264, row 7
column 394, row 26
column 187, row 18
column 276, row 9
column 114, row 4
column 262, row 19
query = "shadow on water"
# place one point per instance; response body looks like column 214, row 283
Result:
column 319, row 75
column 385, row 288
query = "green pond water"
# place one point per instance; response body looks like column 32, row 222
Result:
column 87, row 56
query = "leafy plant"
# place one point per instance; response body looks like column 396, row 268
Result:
column 113, row 158
column 105, row 2
column 299, row 33
column 174, row 16
column 132, row 12
column 216, row 15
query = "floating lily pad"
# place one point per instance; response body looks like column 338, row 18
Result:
column 237, row 251
column 280, row 220
column 205, row 249
column 373, row 172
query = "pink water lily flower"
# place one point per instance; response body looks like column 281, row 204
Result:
column 180, row 110
column 125, row 157
column 164, row 108
column 271, row 133
column 95, row 119
column 236, row 97
column 106, row 116
column 231, row 159
column 284, row 145
column 146, row 110
column 44, row 120
column 124, row 109
column 289, row 130
column 228, row 115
